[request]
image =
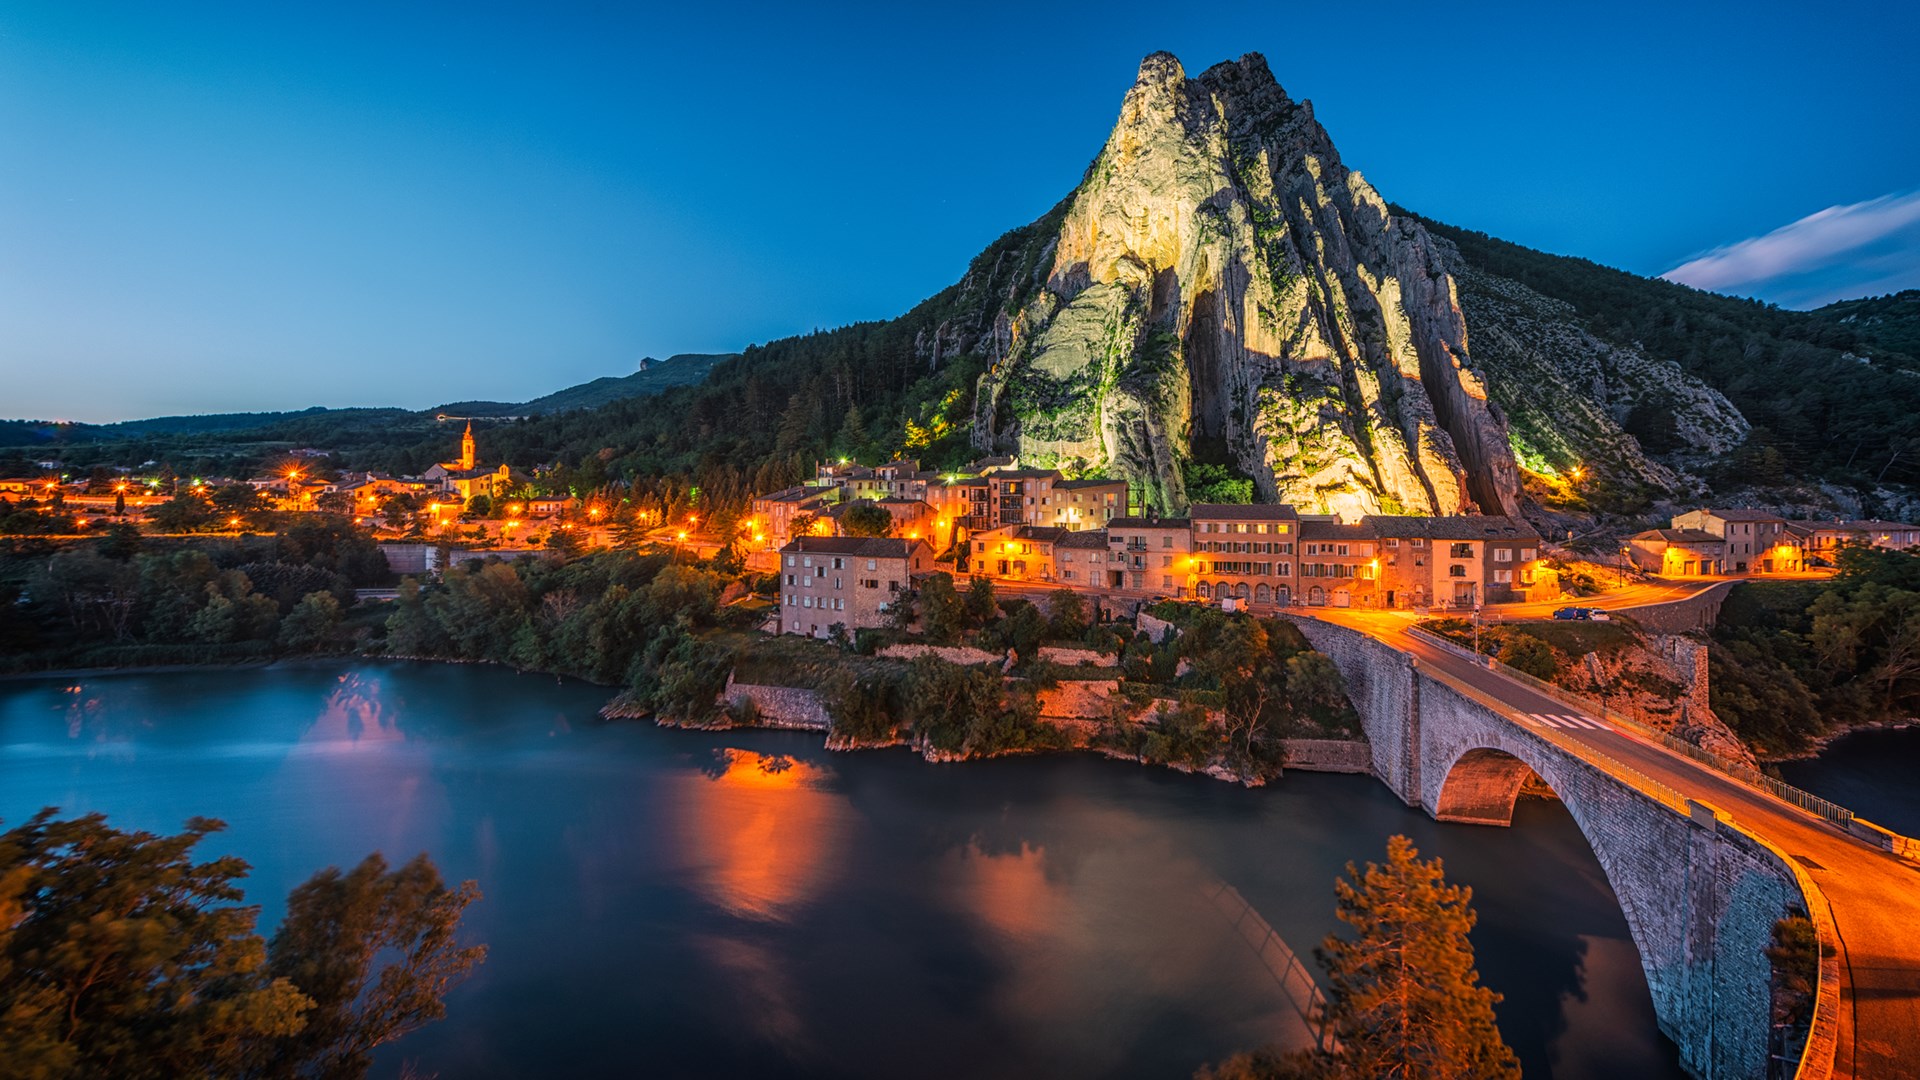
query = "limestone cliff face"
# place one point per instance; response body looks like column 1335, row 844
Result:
column 1220, row 274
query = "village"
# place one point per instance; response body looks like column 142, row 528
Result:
column 853, row 537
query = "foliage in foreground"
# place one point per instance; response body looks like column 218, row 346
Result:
column 120, row 956
column 1404, row 998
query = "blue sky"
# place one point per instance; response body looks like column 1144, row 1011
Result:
column 209, row 207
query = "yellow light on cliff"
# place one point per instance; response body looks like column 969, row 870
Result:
column 1578, row 472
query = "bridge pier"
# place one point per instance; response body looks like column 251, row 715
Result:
column 1700, row 893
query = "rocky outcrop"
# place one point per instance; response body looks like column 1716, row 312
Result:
column 1568, row 396
column 1220, row 274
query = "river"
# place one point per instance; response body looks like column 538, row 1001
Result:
column 673, row 903
column 1870, row 772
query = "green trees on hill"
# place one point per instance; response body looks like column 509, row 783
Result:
column 1404, row 999
column 121, row 956
column 1790, row 661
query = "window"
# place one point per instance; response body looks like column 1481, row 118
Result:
column 1340, row 549
column 839, row 564
column 1503, row 577
column 1166, row 560
column 789, row 576
column 1166, row 581
column 1527, row 554
column 1503, row 555
column 1166, row 541
column 1456, row 570
column 870, row 565
column 806, row 560
column 1418, row 541
column 790, row 563
column 1460, row 551
column 1390, row 543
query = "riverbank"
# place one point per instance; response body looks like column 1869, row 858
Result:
column 1820, row 744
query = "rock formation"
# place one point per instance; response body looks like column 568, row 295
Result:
column 1221, row 275
column 1220, row 279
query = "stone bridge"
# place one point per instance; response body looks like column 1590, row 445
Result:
column 1700, row 892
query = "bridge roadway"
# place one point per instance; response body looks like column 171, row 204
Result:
column 1874, row 896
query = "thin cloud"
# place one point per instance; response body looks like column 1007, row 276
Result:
column 1838, row 252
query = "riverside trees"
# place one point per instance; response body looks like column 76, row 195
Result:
column 121, row 956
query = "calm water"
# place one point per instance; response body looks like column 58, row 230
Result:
column 1874, row 773
column 693, row 904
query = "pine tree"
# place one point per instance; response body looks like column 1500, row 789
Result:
column 1405, row 999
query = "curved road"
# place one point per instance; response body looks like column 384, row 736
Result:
column 1874, row 896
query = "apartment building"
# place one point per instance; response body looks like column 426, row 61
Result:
column 845, row 580
column 1244, row 552
column 1456, row 561
column 1757, row 540
column 1148, row 556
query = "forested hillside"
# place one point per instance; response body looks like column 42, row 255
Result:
column 1834, row 402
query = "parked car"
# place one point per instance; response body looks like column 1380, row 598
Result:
column 1573, row 613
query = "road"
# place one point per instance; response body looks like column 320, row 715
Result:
column 1875, row 897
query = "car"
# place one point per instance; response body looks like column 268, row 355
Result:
column 1573, row 613
column 1598, row 615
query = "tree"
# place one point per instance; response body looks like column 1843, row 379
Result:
column 866, row 518
column 1404, row 998
column 121, row 542
column 120, row 956
column 337, row 925
column 1524, row 652
column 480, row 505
column 981, row 607
column 1066, row 615
column 184, row 512
column 312, row 621
column 942, row 612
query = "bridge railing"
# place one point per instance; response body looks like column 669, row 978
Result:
column 1646, row 785
column 1746, row 774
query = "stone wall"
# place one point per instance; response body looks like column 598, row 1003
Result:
column 1075, row 657
column 1155, row 629
column 1380, row 684
column 1697, row 612
column 780, row 706
column 953, row 654
column 1328, row 755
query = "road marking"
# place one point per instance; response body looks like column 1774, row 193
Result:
column 1586, row 722
column 1546, row 720
column 1531, row 718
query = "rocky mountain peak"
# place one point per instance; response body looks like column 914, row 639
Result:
column 1221, row 279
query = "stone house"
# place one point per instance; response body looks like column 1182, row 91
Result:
column 1820, row 540
column 1082, row 560
column 1457, row 562
column 773, row 515
column 1149, row 556
column 1017, row 553
column 1757, row 541
column 1337, row 565
column 1244, row 552
column 845, row 580
column 1677, row 552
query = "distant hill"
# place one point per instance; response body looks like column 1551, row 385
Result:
column 1891, row 322
column 683, row 369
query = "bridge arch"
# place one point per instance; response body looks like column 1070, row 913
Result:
column 1482, row 786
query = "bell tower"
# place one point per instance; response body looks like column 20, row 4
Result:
column 466, row 448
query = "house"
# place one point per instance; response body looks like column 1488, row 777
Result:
column 1757, row 540
column 1149, row 556
column 546, row 506
column 1081, row 560
column 1462, row 561
column 1677, row 552
column 1244, row 552
column 1018, row 553
column 959, row 503
column 773, row 515
column 1087, row 503
column 848, row 581
column 1336, row 565
column 1819, row 541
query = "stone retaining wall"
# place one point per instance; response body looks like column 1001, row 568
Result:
column 1328, row 755
column 953, row 654
column 1076, row 657
column 780, row 706
column 1155, row 629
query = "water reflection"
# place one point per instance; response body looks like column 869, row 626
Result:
column 758, row 833
column 356, row 714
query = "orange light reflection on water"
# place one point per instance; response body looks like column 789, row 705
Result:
column 758, row 832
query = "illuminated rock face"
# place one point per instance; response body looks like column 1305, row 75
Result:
column 1220, row 274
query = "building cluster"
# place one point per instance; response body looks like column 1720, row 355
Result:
column 1710, row 542
column 1033, row 527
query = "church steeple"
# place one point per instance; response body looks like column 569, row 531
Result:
column 466, row 448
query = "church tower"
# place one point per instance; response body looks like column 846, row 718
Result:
column 466, row 448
